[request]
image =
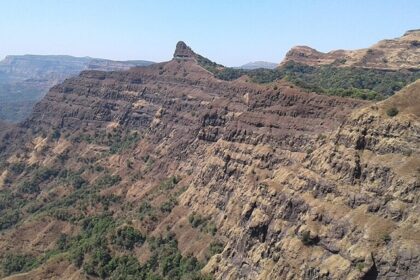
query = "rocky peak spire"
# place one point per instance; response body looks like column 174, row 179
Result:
column 182, row 51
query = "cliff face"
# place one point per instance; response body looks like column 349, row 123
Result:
column 353, row 201
column 291, row 185
column 394, row 54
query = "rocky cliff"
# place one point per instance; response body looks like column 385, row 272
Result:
column 393, row 54
column 265, row 182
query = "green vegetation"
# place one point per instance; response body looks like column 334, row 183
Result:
column 360, row 266
column 168, row 205
column 169, row 183
column 92, row 251
column 117, row 141
column 18, row 263
column 146, row 211
column 9, row 218
column 369, row 84
column 120, row 143
column 127, row 237
column 17, row 168
column 392, row 112
column 215, row 247
column 307, row 239
column 386, row 238
column 204, row 224
column 166, row 261
column 196, row 220
column 208, row 64
column 39, row 176
column 56, row 134
column 104, row 245
column 107, row 181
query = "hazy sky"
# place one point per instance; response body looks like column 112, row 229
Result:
column 227, row 31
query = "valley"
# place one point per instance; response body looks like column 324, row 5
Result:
column 25, row 79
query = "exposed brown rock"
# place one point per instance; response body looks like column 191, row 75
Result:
column 394, row 54
column 299, row 185
column 182, row 51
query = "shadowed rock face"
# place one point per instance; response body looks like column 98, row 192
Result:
column 298, row 185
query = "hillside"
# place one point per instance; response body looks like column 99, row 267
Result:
column 391, row 54
column 169, row 172
column 25, row 79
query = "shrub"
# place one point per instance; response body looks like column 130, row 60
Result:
column 63, row 242
column 122, row 143
column 146, row 210
column 61, row 214
column 9, row 218
column 18, row 263
column 360, row 266
column 125, row 267
column 55, row 135
column 386, row 238
column 107, row 181
column 168, row 205
column 392, row 112
column 169, row 183
column 127, row 237
column 216, row 247
column 97, row 264
column 167, row 259
column 196, row 220
column 17, row 168
column 307, row 239
column 28, row 187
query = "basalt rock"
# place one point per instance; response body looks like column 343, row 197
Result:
column 298, row 185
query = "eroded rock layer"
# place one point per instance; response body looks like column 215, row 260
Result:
column 298, row 185
column 393, row 54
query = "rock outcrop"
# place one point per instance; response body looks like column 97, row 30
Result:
column 182, row 51
column 394, row 54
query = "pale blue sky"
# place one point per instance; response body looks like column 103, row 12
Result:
column 227, row 31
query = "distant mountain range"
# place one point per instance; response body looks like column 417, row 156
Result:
column 25, row 79
column 258, row 64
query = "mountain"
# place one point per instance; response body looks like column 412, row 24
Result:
column 258, row 64
column 394, row 54
column 168, row 172
column 25, row 79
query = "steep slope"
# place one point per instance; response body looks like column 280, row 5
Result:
column 25, row 79
column 348, row 210
column 255, row 181
column 394, row 54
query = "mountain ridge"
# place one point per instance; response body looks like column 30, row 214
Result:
column 119, row 174
column 391, row 54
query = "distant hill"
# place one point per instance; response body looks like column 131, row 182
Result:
column 258, row 64
column 25, row 79
column 391, row 54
